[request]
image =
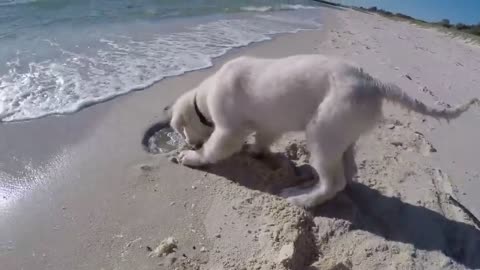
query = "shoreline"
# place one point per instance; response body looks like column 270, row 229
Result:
column 107, row 201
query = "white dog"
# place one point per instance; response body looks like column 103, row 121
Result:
column 333, row 101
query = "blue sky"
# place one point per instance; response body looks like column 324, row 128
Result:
column 465, row 11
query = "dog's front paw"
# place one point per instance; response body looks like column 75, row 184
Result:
column 190, row 158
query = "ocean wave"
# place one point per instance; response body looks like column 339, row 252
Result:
column 276, row 8
column 15, row 2
column 257, row 8
column 121, row 64
column 296, row 7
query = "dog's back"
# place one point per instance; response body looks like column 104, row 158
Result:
column 289, row 89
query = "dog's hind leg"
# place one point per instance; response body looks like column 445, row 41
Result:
column 222, row 144
column 350, row 167
column 327, row 139
column 331, row 180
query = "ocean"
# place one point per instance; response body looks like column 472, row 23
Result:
column 59, row 56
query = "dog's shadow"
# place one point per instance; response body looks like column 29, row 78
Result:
column 269, row 174
column 389, row 217
column 366, row 208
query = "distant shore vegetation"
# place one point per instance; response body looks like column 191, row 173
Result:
column 472, row 29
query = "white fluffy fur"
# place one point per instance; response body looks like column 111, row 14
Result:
column 333, row 101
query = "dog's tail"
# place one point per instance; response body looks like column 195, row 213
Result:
column 395, row 94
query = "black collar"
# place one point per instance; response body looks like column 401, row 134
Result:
column 202, row 117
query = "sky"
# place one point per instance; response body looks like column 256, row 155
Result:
column 464, row 11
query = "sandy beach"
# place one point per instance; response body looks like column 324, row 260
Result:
column 87, row 196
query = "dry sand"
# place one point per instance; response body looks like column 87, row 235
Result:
column 106, row 204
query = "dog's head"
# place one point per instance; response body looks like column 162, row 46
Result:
column 186, row 122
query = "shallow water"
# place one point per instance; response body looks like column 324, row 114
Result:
column 164, row 141
column 58, row 56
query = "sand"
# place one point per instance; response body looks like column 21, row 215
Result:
column 95, row 199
